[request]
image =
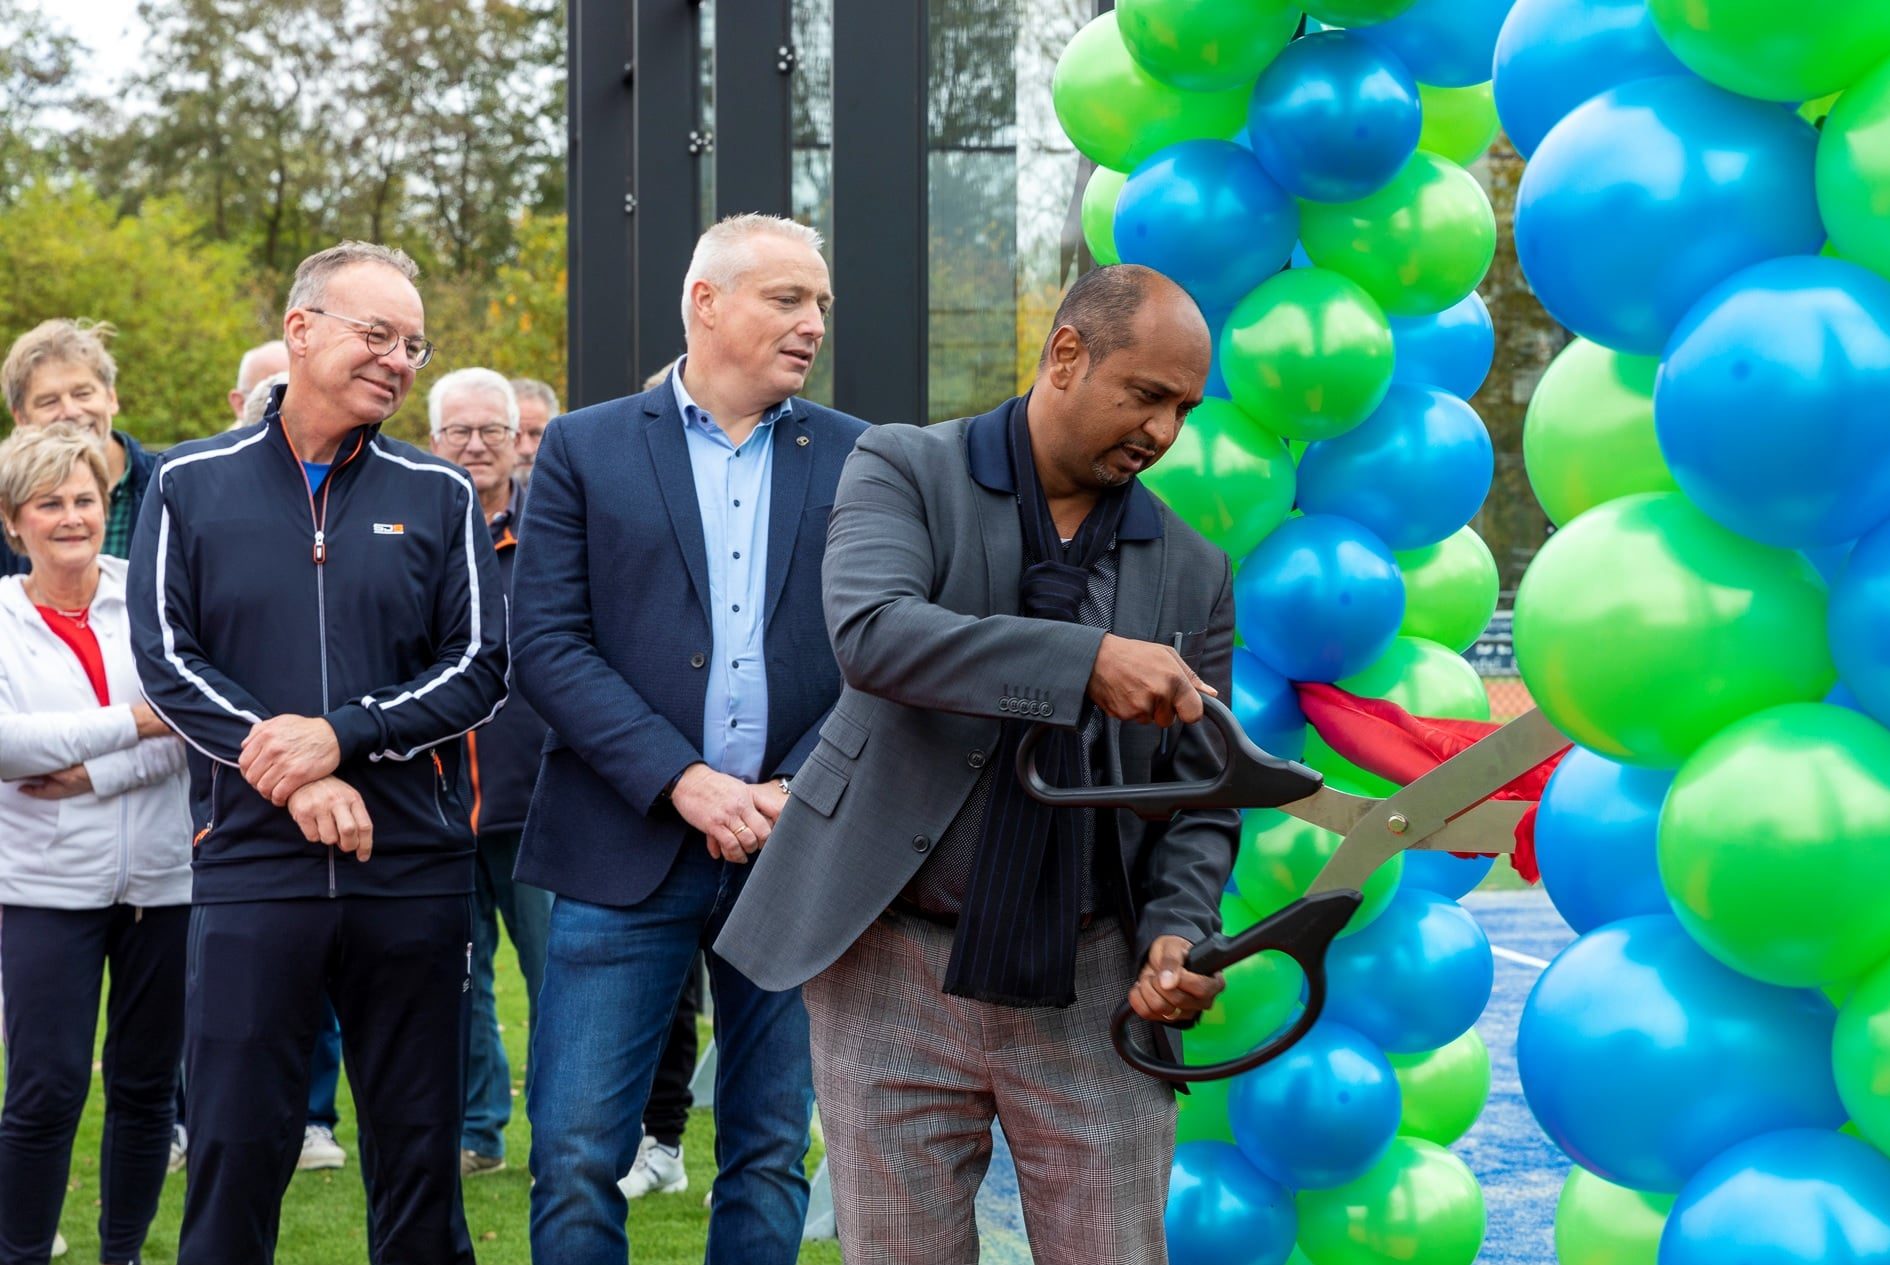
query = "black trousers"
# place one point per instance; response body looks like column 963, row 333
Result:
column 398, row 972
column 666, row 1115
column 52, row 963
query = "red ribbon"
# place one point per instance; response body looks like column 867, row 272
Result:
column 1383, row 738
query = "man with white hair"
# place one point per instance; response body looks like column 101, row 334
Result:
column 264, row 360
column 473, row 418
column 316, row 611
column 669, row 629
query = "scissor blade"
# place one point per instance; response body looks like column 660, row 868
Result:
column 1337, row 811
column 1451, row 790
column 1489, row 827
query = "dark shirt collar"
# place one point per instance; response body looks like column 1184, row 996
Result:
column 987, row 453
column 505, row 518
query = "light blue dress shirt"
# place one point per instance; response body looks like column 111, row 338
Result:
column 732, row 489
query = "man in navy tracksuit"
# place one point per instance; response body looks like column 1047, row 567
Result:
column 317, row 611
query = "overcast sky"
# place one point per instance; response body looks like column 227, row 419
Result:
column 110, row 28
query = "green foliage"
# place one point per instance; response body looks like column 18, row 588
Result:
column 185, row 308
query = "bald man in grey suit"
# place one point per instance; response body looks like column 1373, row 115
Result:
column 961, row 946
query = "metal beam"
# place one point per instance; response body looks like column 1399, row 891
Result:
column 597, row 234
column 880, row 244
column 754, row 74
column 666, row 214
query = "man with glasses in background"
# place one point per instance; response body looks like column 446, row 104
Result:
column 537, row 405
column 316, row 610
column 473, row 417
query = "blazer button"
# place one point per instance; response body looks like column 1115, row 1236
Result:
column 975, row 759
column 1049, row 709
column 697, row 659
column 920, row 843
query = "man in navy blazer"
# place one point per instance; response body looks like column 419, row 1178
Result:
column 668, row 626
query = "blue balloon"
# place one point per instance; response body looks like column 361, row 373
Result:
column 1451, row 350
column 1643, row 1057
column 1770, row 403
column 1555, row 54
column 1413, row 472
column 1651, row 194
column 1595, row 839
column 1267, row 707
column 1319, row 599
column 1334, row 117
column 1450, row 877
column 1829, row 559
column 1856, row 624
column 1800, row 1197
column 1321, row 1114
column 1216, row 380
column 1414, row 978
column 1446, row 43
column 1205, row 214
column 1223, row 1211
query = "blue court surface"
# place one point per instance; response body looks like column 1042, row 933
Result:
column 1521, row 1170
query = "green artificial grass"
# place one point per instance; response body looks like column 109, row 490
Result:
column 324, row 1217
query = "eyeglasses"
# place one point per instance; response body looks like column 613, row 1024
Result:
column 381, row 340
column 457, row 437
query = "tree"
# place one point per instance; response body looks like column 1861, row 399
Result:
column 36, row 65
column 185, row 308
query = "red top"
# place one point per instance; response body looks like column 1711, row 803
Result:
column 77, row 633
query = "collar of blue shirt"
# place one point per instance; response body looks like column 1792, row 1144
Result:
column 695, row 415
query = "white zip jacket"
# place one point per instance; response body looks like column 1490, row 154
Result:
column 127, row 841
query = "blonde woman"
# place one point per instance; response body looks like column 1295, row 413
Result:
column 94, row 861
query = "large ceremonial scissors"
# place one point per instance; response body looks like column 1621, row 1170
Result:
column 1448, row 809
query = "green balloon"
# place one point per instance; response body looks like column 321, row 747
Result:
column 1424, row 678
column 1600, row 1223
column 1229, row 478
column 1340, row 773
column 1764, row 49
column 1588, row 436
column 1236, row 914
column 1280, row 856
column 1450, row 590
column 1853, row 172
column 1201, row 1113
column 1354, row 12
column 1207, row 45
column 1118, row 114
column 1774, row 845
column 1099, row 214
column 1444, row 1089
column 1419, row 1205
column 1643, row 628
column 1418, row 245
column 1308, row 354
column 1860, row 1054
column 1261, row 998
column 1459, row 123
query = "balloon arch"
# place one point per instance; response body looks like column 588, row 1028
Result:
column 1707, row 207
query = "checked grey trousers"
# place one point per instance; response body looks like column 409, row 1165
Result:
column 909, row 1080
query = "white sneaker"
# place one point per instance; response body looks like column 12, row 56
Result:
column 59, row 1245
column 320, row 1150
column 180, row 1149
column 658, row 1170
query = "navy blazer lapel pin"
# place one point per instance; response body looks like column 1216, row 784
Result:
column 800, row 441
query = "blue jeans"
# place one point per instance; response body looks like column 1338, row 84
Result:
column 527, row 911
column 324, row 1069
column 612, row 978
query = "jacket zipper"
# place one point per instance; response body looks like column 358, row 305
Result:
column 216, row 775
column 318, row 521
column 439, row 790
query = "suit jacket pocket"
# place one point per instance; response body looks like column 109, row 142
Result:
column 847, row 735
column 819, row 784
column 1190, row 646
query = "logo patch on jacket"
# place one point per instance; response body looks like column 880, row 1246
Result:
column 390, row 529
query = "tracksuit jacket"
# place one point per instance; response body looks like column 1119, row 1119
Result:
column 373, row 602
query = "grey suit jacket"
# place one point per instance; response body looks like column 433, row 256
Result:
column 920, row 586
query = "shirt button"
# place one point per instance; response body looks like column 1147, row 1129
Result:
column 697, row 659
column 738, row 553
column 920, row 843
column 975, row 759
column 737, row 608
column 738, row 505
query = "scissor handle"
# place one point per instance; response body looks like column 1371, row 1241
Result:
column 1304, row 930
column 1250, row 779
